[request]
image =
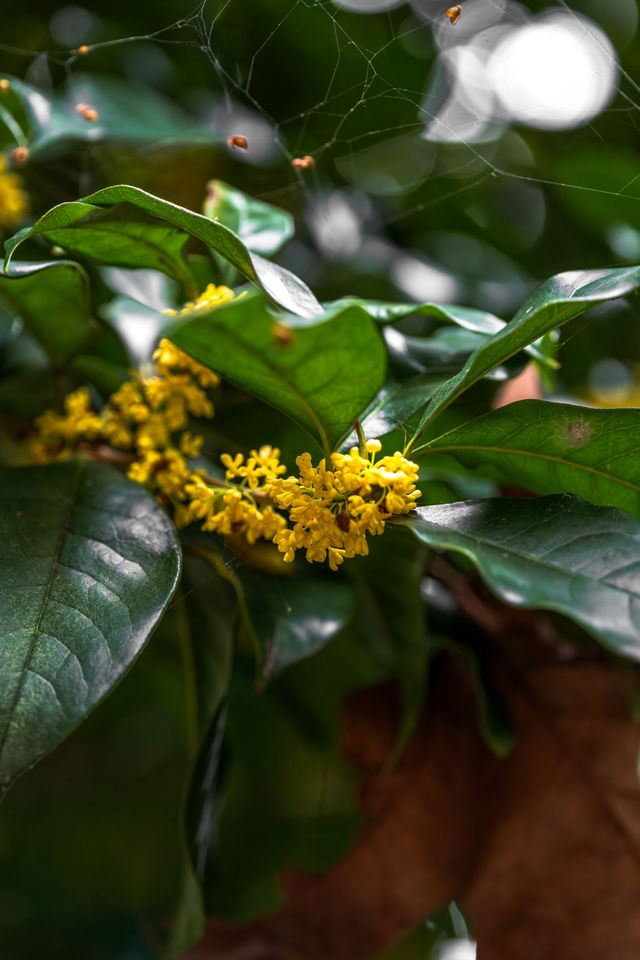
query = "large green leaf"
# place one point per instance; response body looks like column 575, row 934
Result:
column 52, row 300
column 89, row 564
column 553, row 553
column 554, row 448
column 322, row 377
column 262, row 227
column 557, row 300
column 66, row 219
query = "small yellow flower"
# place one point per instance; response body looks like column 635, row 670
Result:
column 190, row 444
column 333, row 510
column 212, row 296
column 14, row 201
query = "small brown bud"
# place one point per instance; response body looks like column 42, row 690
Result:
column 303, row 163
column 83, row 50
column 282, row 334
column 89, row 113
column 4, row 85
column 453, row 13
column 20, row 155
column 239, row 142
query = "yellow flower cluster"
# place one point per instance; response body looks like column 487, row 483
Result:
column 327, row 511
column 242, row 508
column 212, row 296
column 145, row 411
column 14, row 201
column 58, row 434
column 332, row 510
column 141, row 415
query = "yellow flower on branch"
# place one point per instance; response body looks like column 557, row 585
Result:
column 14, row 200
column 212, row 296
column 333, row 509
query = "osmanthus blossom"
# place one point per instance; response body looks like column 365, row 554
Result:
column 327, row 510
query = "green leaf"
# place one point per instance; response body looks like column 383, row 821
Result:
column 292, row 619
column 323, row 378
column 394, row 403
column 478, row 321
column 90, row 562
column 557, row 300
column 554, row 448
column 491, row 711
column 285, row 796
column 280, row 284
column 262, row 227
column 205, row 614
column 465, row 318
column 553, row 553
column 52, row 300
column 120, row 237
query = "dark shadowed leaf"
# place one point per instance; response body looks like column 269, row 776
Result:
column 292, row 619
column 394, row 403
column 553, row 553
column 554, row 448
column 398, row 606
column 89, row 564
column 52, row 300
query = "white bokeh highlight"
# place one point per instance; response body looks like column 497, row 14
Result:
column 554, row 73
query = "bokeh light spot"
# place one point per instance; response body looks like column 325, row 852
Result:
column 554, row 73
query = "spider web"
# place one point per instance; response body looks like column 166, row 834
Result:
column 375, row 99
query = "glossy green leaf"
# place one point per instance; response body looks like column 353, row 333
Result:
column 52, row 300
column 262, row 227
column 323, row 378
column 557, row 300
column 90, row 562
column 554, row 448
column 280, row 284
column 553, row 553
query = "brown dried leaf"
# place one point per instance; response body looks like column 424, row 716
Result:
column 542, row 848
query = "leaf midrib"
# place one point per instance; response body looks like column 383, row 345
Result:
column 516, row 451
column 80, row 466
column 279, row 373
column 162, row 256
